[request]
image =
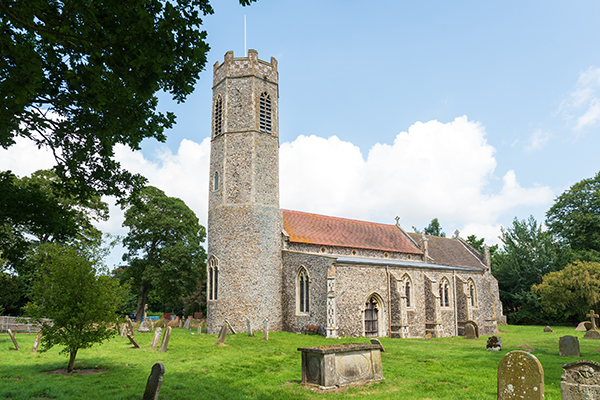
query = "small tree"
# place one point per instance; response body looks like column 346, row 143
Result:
column 433, row 229
column 81, row 303
column 572, row 291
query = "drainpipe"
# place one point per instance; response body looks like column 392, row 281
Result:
column 455, row 311
column 387, row 271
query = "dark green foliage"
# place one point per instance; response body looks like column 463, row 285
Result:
column 528, row 253
column 81, row 304
column 575, row 218
column 478, row 244
column 164, row 256
column 433, row 229
column 80, row 77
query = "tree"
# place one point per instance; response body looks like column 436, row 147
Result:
column 164, row 254
column 527, row 254
column 572, row 291
column 575, row 218
column 71, row 290
column 80, row 77
column 478, row 244
column 433, row 229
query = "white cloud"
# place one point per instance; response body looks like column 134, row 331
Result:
column 538, row 140
column 583, row 105
column 24, row 158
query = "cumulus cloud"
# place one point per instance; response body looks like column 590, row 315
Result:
column 582, row 108
column 23, row 158
column 538, row 140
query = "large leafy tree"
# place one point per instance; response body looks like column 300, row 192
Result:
column 71, row 289
column 433, row 229
column 572, row 291
column 164, row 253
column 81, row 76
column 575, row 218
column 527, row 254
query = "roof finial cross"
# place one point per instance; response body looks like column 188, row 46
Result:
column 397, row 220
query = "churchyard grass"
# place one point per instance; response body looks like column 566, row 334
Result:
column 251, row 368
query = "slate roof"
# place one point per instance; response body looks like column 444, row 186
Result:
column 450, row 251
column 332, row 231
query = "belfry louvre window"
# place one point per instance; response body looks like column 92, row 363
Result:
column 302, row 290
column 265, row 112
column 213, row 278
column 218, row 116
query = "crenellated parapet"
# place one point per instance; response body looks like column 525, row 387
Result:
column 233, row 67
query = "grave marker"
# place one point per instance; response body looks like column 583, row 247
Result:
column 12, row 336
column 520, row 376
column 156, row 337
column 568, row 346
column 199, row 330
column 378, row 343
column 266, row 329
column 593, row 317
column 36, row 342
column 222, row 335
column 130, row 328
column 548, row 330
column 250, row 333
column 471, row 330
column 187, row 324
column 165, row 339
column 154, row 382
column 494, row 343
column 230, row 327
column 581, row 380
column 134, row 342
column 583, row 326
column 124, row 331
column 144, row 325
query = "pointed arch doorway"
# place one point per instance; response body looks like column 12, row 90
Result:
column 372, row 317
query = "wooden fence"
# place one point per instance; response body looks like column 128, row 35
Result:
column 18, row 324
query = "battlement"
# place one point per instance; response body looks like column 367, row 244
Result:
column 245, row 66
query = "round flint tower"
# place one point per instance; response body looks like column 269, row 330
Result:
column 244, row 219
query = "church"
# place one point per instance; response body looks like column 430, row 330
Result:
column 303, row 271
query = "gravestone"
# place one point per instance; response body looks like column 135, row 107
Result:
column 593, row 317
column 130, row 328
column 154, row 382
column 494, row 343
column 471, row 330
column 179, row 322
column 199, row 330
column 134, row 342
column 583, row 326
column 156, row 337
column 151, row 325
column 592, row 334
column 378, row 343
column 124, row 331
column 548, row 330
column 36, row 342
column 165, row 339
column 187, row 324
column 520, row 376
column 12, row 336
column 581, row 380
column 230, row 327
column 222, row 335
column 250, row 333
column 144, row 325
column 266, row 329
column 568, row 346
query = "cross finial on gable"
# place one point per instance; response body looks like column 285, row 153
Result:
column 456, row 234
column 397, row 220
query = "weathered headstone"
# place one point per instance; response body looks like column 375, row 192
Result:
column 12, row 336
column 583, row 326
column 548, row 330
column 494, row 343
column 187, row 324
column 151, row 325
column 520, row 376
column 568, row 346
column 593, row 317
column 222, row 335
column 134, row 342
column 36, row 342
column 378, row 343
column 156, row 337
column 199, row 330
column 130, row 329
column 581, row 380
column 266, row 329
column 471, row 330
column 154, row 382
column 250, row 333
column 179, row 322
column 124, row 331
column 144, row 327
column 230, row 327
column 592, row 334
column 165, row 339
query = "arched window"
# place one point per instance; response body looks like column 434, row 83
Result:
column 407, row 283
column 216, row 183
column 302, row 291
column 213, row 278
column 472, row 292
column 218, row 115
column 444, row 290
column 265, row 112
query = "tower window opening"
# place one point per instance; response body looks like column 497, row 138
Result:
column 218, row 116
column 216, row 181
column 265, row 112
column 302, row 291
column 213, row 278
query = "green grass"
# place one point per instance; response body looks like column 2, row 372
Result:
column 250, row 368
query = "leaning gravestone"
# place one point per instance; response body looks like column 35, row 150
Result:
column 520, row 376
column 266, row 329
column 471, row 330
column 134, row 342
column 250, row 333
column 154, row 382
column 230, row 327
column 581, row 380
column 165, row 339
column 124, row 331
column 568, row 346
column 36, row 342
column 494, row 343
column 130, row 328
column 12, row 336
column 584, row 326
column 156, row 337
column 548, row 330
column 222, row 335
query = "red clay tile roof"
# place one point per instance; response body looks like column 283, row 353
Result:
column 449, row 251
column 332, row 231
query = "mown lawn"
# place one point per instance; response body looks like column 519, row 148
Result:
column 250, row 368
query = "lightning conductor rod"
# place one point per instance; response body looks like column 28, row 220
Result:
column 245, row 46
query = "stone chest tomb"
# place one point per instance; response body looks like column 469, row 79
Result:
column 341, row 364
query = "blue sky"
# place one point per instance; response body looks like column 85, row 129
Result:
column 475, row 112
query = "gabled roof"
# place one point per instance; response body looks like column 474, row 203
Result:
column 450, row 251
column 331, row 231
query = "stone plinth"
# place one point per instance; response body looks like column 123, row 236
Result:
column 581, row 380
column 341, row 364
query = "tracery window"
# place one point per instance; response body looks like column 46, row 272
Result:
column 218, row 115
column 472, row 292
column 213, row 278
column 444, row 291
column 265, row 112
column 407, row 290
column 302, row 291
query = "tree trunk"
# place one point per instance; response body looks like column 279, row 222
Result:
column 72, row 356
column 142, row 299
